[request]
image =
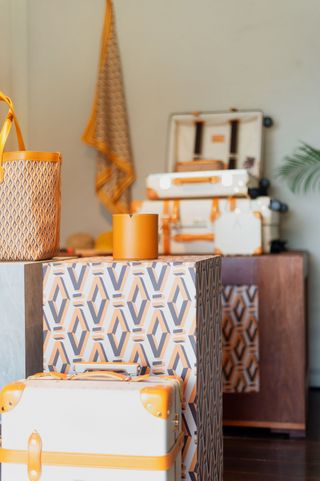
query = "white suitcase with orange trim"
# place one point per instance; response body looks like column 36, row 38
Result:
column 205, row 226
column 233, row 139
column 91, row 427
column 213, row 154
column 199, row 185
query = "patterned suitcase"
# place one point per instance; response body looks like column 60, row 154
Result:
column 92, row 426
column 207, row 184
column 199, row 226
column 233, row 139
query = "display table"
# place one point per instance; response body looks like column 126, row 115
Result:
column 265, row 341
column 20, row 320
column 165, row 314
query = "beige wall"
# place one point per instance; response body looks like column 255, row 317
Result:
column 5, row 50
column 14, row 56
column 5, row 36
column 180, row 55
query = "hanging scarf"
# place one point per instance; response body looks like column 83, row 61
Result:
column 108, row 129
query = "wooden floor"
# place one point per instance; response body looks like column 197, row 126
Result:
column 258, row 456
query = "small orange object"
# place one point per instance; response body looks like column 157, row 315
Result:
column 135, row 237
column 218, row 139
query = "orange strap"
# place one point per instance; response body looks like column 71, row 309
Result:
column 166, row 227
column 215, row 210
column 214, row 179
column 5, row 131
column 11, row 117
column 169, row 218
column 35, row 458
column 52, row 374
column 185, row 238
column 176, row 211
column 232, row 204
column 117, row 376
column 93, row 375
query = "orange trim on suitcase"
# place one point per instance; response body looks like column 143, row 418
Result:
column 193, row 238
column 214, row 179
column 86, row 460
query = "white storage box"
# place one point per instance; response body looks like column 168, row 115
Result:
column 235, row 138
column 190, row 226
column 91, row 429
column 206, row 184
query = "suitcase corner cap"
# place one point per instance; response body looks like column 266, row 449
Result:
column 10, row 396
column 157, row 400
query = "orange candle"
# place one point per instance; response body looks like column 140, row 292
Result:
column 135, row 237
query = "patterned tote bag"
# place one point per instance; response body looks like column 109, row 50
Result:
column 29, row 198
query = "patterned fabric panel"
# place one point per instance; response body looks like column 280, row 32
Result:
column 29, row 210
column 240, row 328
column 143, row 312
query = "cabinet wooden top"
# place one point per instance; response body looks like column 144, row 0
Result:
column 246, row 269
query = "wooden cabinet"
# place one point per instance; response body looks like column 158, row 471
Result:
column 265, row 341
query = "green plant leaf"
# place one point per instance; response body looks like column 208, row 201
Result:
column 301, row 170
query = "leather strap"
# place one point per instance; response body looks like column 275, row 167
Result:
column 185, row 238
column 35, row 458
column 116, row 376
column 215, row 210
column 6, row 128
column 105, row 375
column 48, row 375
column 92, row 375
column 11, row 117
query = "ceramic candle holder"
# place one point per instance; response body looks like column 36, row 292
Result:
column 135, row 237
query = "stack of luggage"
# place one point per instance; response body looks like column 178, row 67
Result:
column 213, row 199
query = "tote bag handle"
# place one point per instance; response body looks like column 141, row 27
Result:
column 6, row 128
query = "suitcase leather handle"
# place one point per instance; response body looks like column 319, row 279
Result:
column 91, row 375
column 214, row 179
column 183, row 238
column 99, row 374
column 116, row 376
column 52, row 374
column 131, row 368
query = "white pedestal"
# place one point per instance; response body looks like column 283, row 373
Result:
column 20, row 320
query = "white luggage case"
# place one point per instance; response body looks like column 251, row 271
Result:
column 206, row 184
column 92, row 429
column 232, row 140
column 188, row 226
column 234, row 137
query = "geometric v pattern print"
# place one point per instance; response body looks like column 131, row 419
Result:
column 240, row 334
column 165, row 314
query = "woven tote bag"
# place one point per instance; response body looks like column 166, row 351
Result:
column 29, row 198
